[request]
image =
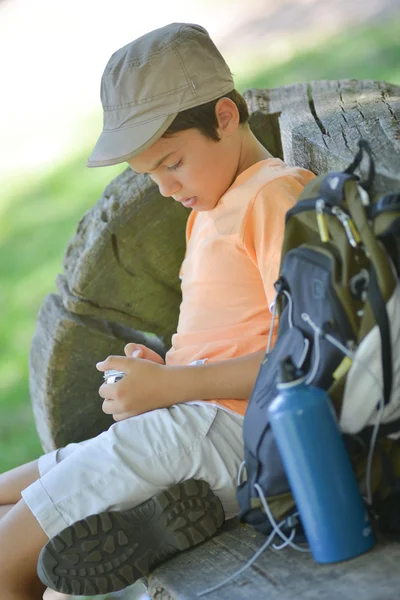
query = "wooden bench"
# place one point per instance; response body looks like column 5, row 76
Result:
column 120, row 280
column 276, row 575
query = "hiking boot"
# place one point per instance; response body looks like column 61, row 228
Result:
column 111, row 550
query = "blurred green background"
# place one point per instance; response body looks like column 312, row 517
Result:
column 38, row 215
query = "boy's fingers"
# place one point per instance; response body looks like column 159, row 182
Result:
column 113, row 407
column 112, row 404
column 113, row 362
column 106, row 391
column 129, row 348
column 108, row 406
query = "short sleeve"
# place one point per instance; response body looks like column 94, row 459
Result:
column 188, row 231
column 264, row 225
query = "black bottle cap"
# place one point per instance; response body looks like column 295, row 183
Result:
column 288, row 371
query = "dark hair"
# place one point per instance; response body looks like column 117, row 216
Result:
column 204, row 119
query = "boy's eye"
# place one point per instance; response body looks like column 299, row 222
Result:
column 176, row 166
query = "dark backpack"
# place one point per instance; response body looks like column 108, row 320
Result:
column 338, row 301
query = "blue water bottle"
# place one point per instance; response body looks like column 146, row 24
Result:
column 318, row 468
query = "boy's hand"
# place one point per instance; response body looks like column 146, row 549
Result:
column 131, row 349
column 150, row 384
column 143, row 387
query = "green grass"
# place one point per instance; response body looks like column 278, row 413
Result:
column 38, row 219
column 368, row 52
column 36, row 222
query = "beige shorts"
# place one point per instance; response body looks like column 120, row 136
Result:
column 135, row 459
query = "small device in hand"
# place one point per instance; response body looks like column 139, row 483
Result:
column 112, row 376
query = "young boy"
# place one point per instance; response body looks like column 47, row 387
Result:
column 170, row 110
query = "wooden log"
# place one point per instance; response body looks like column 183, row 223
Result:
column 123, row 261
column 321, row 122
column 63, row 379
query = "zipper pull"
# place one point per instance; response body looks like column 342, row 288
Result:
column 321, row 221
column 354, row 230
column 351, row 232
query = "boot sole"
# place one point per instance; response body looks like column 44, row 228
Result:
column 109, row 551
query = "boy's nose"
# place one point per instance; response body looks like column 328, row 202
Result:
column 168, row 187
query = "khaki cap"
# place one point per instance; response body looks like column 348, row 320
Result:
column 149, row 81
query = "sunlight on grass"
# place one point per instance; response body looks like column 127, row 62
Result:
column 38, row 216
column 368, row 52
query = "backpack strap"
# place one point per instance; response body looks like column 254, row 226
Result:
column 364, row 147
column 332, row 187
column 382, row 280
column 378, row 307
column 386, row 204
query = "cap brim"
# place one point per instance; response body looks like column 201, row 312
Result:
column 115, row 147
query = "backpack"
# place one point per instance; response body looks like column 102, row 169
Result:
column 338, row 301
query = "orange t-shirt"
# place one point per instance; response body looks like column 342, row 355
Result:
column 232, row 261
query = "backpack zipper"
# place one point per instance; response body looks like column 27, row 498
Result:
column 351, row 231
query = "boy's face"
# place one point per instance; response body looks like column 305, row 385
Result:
column 191, row 168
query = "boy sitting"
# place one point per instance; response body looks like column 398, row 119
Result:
column 162, row 478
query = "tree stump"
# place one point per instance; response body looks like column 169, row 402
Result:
column 120, row 275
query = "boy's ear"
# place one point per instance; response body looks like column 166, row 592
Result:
column 227, row 114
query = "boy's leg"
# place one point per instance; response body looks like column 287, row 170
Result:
column 14, row 481
column 5, row 509
column 21, row 539
column 132, row 464
column 106, row 552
